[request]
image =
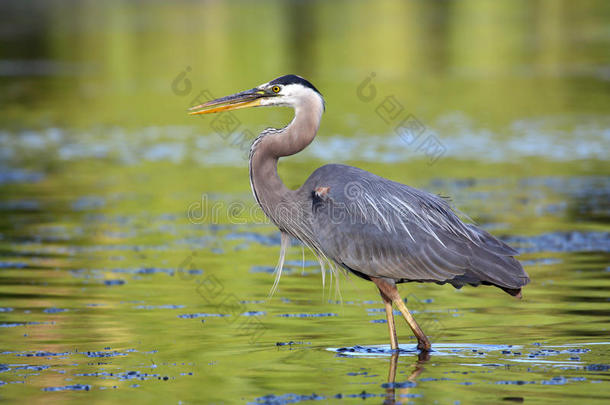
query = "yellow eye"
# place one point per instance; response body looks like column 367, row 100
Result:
column 275, row 89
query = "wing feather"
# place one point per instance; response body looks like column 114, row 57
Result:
column 381, row 228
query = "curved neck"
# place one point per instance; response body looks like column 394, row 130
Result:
column 268, row 188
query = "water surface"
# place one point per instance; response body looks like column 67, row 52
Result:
column 135, row 266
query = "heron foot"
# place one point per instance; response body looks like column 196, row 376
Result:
column 424, row 345
column 390, row 296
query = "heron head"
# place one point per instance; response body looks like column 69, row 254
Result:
column 285, row 91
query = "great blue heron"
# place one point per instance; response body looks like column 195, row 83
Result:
column 380, row 230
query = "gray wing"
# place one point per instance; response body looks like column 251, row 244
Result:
column 380, row 228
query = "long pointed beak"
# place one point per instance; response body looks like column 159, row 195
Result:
column 244, row 99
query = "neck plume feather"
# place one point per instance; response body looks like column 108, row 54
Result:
column 283, row 206
column 268, row 188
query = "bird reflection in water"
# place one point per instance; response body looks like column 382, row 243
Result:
column 403, row 388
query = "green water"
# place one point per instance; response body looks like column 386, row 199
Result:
column 135, row 266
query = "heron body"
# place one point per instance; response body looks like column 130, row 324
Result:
column 378, row 229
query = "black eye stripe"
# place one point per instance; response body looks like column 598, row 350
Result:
column 294, row 79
